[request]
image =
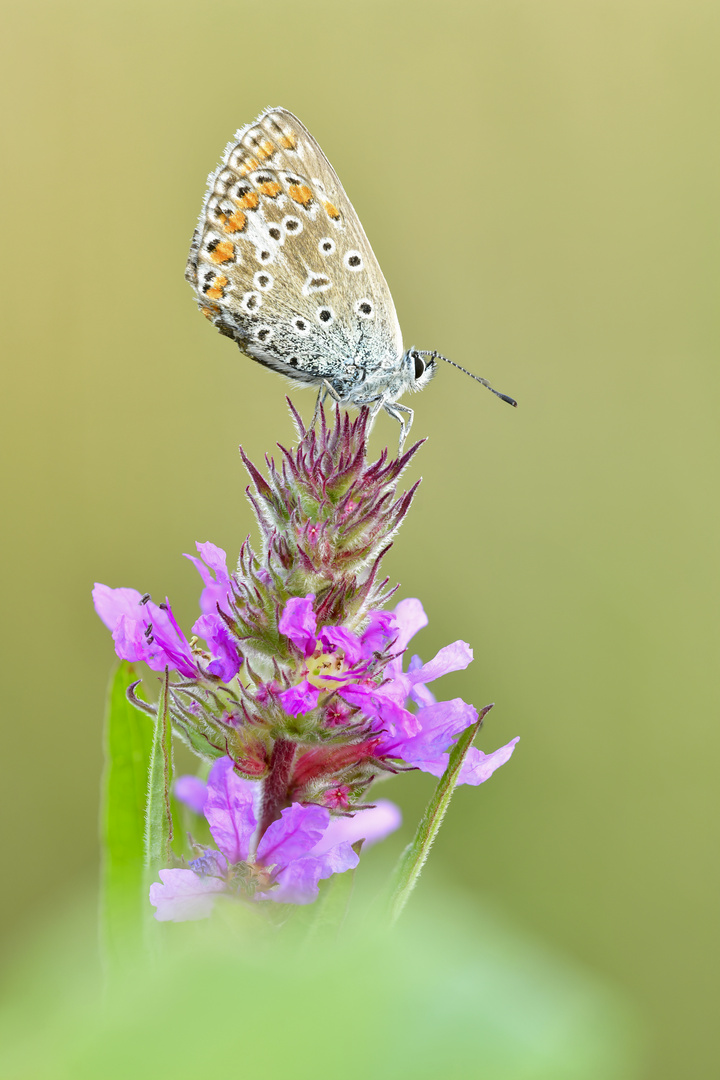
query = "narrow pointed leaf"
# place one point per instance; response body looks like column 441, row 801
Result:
column 127, row 740
column 158, row 820
column 415, row 855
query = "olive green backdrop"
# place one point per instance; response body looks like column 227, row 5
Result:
column 539, row 181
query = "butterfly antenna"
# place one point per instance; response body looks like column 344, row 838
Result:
column 439, row 356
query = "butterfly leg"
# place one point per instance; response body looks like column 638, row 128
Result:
column 376, row 406
column 323, row 393
column 395, row 409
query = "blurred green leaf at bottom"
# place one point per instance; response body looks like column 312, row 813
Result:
column 449, row 993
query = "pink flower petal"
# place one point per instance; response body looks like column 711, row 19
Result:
column 477, row 767
column 214, row 557
column 369, row 825
column 439, row 725
column 410, row 618
column 110, row 604
column 230, row 810
column 337, row 637
column 294, row 835
column 298, row 622
column 381, row 629
column 226, row 659
column 192, row 791
column 212, row 568
column 455, row 657
column 300, row 699
column 144, row 631
column 298, row 882
column 184, row 895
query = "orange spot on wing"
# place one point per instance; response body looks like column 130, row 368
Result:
column 223, row 252
column 272, row 189
column 235, row 223
column 216, row 290
column 208, row 312
column 300, row 193
column 250, row 201
column 248, row 166
column 265, row 150
column 289, row 141
column 331, row 211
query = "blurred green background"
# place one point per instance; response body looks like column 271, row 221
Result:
column 539, row 181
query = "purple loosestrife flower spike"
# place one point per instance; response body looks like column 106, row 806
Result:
column 295, row 685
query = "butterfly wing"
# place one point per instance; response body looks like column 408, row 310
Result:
column 281, row 264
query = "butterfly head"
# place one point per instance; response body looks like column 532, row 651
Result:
column 419, row 368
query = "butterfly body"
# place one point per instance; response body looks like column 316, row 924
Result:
column 281, row 264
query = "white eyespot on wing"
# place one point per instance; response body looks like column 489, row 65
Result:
column 365, row 309
column 353, row 261
column 251, row 302
column 292, row 225
column 301, row 326
column 263, row 281
column 325, row 316
column 326, row 246
column 264, row 255
column 264, row 334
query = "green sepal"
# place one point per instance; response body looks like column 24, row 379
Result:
column 415, row 854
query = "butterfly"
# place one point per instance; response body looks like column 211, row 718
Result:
column 281, row 264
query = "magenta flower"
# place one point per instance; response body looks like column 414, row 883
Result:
column 337, row 660
column 334, row 655
column 287, row 863
column 143, row 630
column 146, row 631
column 439, row 723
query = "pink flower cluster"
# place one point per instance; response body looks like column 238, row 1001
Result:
column 284, row 865
column 293, row 685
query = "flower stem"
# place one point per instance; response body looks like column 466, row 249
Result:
column 275, row 788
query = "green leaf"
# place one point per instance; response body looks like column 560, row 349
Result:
column 158, row 813
column 415, row 855
column 127, row 739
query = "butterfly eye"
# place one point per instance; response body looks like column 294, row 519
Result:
column 419, row 365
